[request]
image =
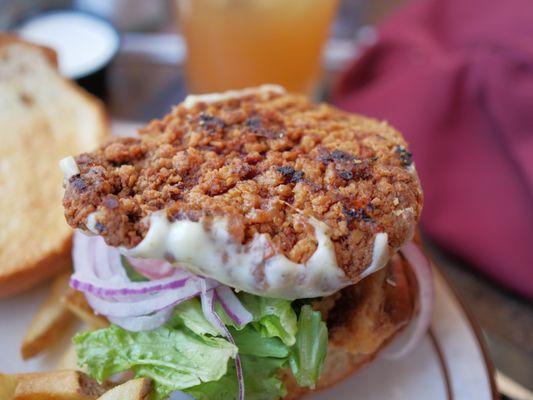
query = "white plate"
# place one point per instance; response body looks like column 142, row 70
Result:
column 450, row 363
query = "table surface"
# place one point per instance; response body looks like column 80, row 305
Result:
column 506, row 320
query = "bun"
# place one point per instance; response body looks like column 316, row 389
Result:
column 362, row 319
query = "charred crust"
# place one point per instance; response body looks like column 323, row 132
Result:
column 341, row 156
column 77, row 183
column 211, row 123
column 358, row 214
column 110, row 202
column 347, row 166
column 346, row 175
column 290, row 175
column 99, row 227
column 406, row 157
column 258, row 128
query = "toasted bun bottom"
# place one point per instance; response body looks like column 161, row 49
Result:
column 362, row 320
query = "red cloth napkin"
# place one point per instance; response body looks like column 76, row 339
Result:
column 456, row 77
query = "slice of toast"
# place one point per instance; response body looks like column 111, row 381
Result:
column 43, row 118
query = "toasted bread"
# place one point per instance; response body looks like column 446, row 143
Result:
column 43, row 118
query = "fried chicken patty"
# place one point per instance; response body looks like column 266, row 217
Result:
column 262, row 160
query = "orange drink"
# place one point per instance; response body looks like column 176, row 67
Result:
column 237, row 43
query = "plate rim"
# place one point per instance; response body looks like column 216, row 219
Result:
column 476, row 330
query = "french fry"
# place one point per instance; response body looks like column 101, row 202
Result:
column 59, row 385
column 136, row 389
column 8, row 384
column 50, row 322
column 75, row 301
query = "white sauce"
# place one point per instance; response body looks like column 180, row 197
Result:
column 252, row 268
column 191, row 100
column 380, row 254
column 69, row 167
column 91, row 223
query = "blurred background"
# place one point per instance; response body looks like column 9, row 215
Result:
column 456, row 77
column 154, row 37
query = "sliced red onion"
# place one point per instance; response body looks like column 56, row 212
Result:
column 232, row 306
column 144, row 305
column 81, row 254
column 152, row 268
column 416, row 330
column 144, row 322
column 101, row 258
column 99, row 273
column 140, row 306
column 115, row 264
column 98, row 270
column 208, row 307
column 121, row 288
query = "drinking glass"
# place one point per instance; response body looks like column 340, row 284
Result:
column 238, row 43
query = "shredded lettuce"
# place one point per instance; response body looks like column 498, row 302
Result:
column 188, row 354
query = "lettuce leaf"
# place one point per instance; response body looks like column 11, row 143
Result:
column 273, row 317
column 261, row 357
column 188, row 354
column 260, row 382
column 252, row 342
column 190, row 315
column 308, row 354
column 174, row 358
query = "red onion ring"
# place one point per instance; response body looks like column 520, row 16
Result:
column 143, row 322
column 144, row 305
column 138, row 306
column 408, row 339
column 81, row 254
column 115, row 264
column 232, row 306
column 208, row 307
column 152, row 268
column 108, row 288
column 101, row 266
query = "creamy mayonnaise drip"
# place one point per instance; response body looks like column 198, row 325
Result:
column 191, row 100
column 91, row 224
column 252, row 268
column 69, row 167
column 380, row 254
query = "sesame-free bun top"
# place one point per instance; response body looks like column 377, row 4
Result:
column 272, row 165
